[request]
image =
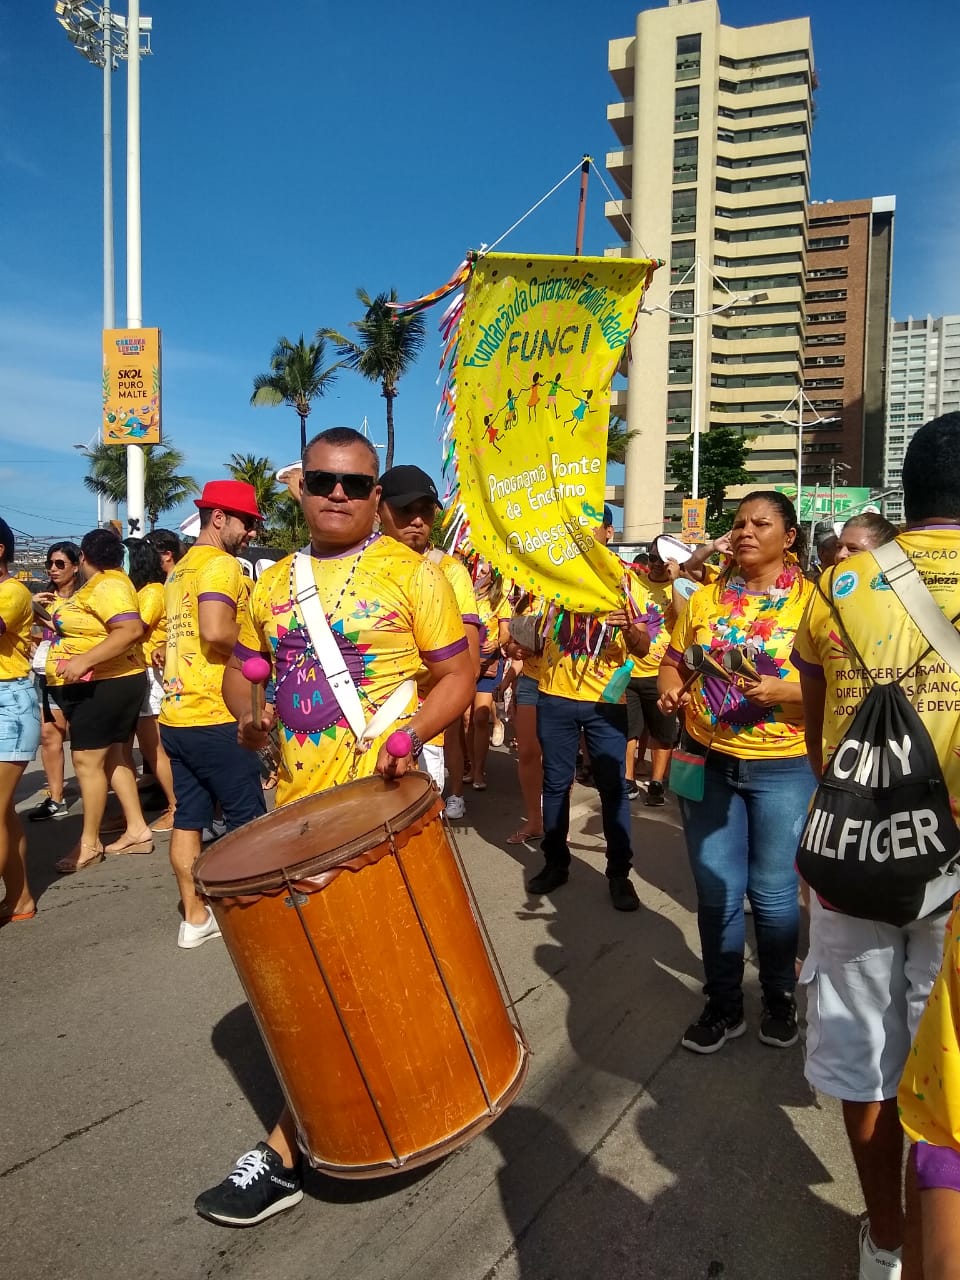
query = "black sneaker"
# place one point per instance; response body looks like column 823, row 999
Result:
column 654, row 793
column 633, row 791
column 713, row 1029
column 48, row 808
column 622, row 894
column 778, row 1023
column 550, row 878
column 259, row 1186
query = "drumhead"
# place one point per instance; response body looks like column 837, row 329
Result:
column 313, row 834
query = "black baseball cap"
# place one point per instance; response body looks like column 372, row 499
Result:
column 402, row 485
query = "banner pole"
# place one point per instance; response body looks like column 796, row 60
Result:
column 582, row 206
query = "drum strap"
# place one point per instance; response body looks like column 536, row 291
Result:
column 334, row 666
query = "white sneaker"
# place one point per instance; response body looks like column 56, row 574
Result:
column 195, row 935
column 455, row 808
column 877, row 1264
column 216, row 829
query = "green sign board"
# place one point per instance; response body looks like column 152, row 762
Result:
column 815, row 501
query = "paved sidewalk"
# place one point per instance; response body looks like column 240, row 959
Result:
column 131, row 1077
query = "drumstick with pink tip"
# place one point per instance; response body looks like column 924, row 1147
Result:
column 257, row 671
column 399, row 744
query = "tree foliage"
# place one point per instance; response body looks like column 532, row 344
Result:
column 297, row 377
column 165, row 487
column 618, row 437
column 260, row 473
column 387, row 345
column 723, row 455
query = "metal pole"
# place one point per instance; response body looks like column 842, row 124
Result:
column 799, row 453
column 699, row 350
column 107, row 507
column 582, row 207
column 135, row 453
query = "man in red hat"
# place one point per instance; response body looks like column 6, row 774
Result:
column 204, row 595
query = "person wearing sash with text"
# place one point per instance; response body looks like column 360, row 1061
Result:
column 352, row 601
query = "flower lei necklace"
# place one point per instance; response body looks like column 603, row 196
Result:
column 780, row 590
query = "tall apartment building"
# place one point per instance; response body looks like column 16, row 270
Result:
column 847, row 303
column 714, row 124
column 923, row 383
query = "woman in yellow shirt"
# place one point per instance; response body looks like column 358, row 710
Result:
column 148, row 578
column 742, row 834
column 95, row 673
column 19, row 730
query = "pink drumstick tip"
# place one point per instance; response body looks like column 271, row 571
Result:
column 256, row 670
column 399, row 744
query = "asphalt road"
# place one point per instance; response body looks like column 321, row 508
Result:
column 131, row 1077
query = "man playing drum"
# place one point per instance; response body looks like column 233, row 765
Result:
column 390, row 611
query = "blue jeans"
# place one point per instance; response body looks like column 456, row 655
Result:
column 559, row 723
column 742, row 839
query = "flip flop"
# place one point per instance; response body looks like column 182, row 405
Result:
column 16, row 916
column 520, row 837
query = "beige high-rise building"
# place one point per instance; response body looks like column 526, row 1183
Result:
column 714, row 166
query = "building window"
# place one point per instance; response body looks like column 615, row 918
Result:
column 688, row 57
column 680, row 362
column 759, row 211
column 749, row 284
column 757, row 233
column 827, row 317
column 816, row 362
column 822, row 384
column 828, row 273
column 754, row 331
column 826, row 295
column 765, row 133
column 685, row 159
column 686, row 110
column 829, row 242
column 770, row 109
column 826, row 339
column 685, row 210
column 759, row 162
column 771, row 183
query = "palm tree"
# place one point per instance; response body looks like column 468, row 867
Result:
column 389, row 343
column 164, row 486
column 260, row 473
column 296, row 377
column 288, row 530
column 618, row 437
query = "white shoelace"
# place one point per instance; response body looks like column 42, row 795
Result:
column 249, row 1168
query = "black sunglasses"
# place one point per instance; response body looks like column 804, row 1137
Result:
column 249, row 522
column 56, row 564
column 320, row 484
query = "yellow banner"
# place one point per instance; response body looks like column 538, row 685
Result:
column 539, row 342
column 693, row 520
column 131, row 386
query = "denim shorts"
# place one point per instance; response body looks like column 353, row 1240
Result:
column 528, row 691
column 210, row 766
column 19, row 721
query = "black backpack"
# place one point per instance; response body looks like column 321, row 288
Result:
column 880, row 827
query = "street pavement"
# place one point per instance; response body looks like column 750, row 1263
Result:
column 132, row 1076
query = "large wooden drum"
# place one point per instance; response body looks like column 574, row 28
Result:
column 367, row 966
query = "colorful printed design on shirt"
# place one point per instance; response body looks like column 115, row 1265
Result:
column 387, row 608
column 654, row 600
column 81, row 623
column 762, row 624
column 929, row 1094
column 16, row 619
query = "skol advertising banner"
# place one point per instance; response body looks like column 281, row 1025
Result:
column 540, row 339
column 693, row 519
column 131, row 386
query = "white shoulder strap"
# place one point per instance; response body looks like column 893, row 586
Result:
column 908, row 586
column 335, row 668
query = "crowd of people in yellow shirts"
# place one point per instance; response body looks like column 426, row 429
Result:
column 732, row 669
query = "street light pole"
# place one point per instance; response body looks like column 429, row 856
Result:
column 136, row 458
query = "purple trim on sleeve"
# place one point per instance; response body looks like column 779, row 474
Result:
column 937, row 1167
column 3, row 626
column 448, row 651
column 123, row 617
column 472, row 618
column 807, row 668
column 206, row 596
column 672, row 654
column 242, row 652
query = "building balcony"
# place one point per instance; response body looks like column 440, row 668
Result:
column 618, row 213
column 621, row 63
column 620, row 168
column 620, row 120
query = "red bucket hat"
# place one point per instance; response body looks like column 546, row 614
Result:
column 232, row 496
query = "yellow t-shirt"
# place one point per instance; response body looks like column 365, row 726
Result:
column 455, row 572
column 725, row 616
column 654, row 601
column 489, row 616
column 153, row 611
column 929, row 1093
column 388, row 609
column 889, row 642
column 193, row 670
column 581, row 655
column 81, row 622
column 16, row 619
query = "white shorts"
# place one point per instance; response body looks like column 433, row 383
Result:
column 153, row 696
column 867, row 985
column 431, row 761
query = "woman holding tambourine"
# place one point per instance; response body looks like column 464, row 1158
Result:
column 741, row 772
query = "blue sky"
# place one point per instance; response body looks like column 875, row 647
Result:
column 293, row 151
